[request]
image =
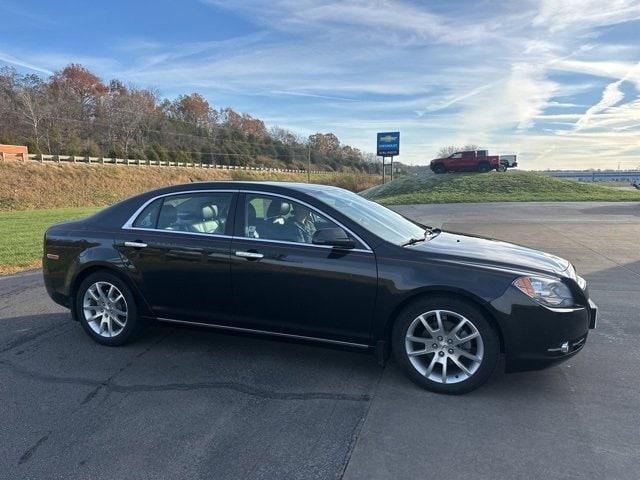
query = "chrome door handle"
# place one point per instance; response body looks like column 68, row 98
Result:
column 135, row 244
column 253, row 255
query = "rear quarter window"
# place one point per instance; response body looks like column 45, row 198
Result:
column 148, row 218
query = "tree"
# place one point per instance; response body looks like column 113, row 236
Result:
column 32, row 104
column 451, row 149
column 74, row 112
column 77, row 83
column 193, row 108
column 447, row 151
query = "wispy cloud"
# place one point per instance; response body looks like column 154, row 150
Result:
column 11, row 60
column 556, row 82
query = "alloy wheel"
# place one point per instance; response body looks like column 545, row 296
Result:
column 444, row 346
column 105, row 309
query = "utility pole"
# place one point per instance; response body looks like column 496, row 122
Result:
column 309, row 163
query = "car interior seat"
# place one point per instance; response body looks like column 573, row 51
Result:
column 209, row 223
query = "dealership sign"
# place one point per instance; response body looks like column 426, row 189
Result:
column 388, row 144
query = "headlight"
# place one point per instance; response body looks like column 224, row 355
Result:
column 548, row 292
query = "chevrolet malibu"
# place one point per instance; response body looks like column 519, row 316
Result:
column 316, row 263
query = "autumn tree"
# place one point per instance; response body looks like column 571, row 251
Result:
column 73, row 112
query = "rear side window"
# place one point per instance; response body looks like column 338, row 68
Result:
column 191, row 212
column 149, row 216
column 195, row 213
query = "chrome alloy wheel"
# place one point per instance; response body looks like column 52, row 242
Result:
column 444, row 346
column 105, row 309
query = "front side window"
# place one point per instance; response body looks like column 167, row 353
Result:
column 190, row 212
column 271, row 217
column 379, row 220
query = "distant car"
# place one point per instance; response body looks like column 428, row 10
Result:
column 318, row 263
column 473, row 161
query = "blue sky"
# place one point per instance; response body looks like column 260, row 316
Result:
column 557, row 82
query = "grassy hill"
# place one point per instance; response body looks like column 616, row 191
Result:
column 31, row 185
column 512, row 186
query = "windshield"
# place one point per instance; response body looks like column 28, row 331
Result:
column 379, row 220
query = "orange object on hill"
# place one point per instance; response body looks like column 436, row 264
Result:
column 13, row 152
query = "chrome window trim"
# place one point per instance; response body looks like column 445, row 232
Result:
column 158, row 230
column 263, row 332
column 129, row 223
column 300, row 244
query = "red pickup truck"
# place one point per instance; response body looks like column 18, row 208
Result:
column 473, row 161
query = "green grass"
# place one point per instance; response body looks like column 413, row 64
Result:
column 21, row 234
column 491, row 187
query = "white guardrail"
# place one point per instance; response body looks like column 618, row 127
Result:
column 152, row 163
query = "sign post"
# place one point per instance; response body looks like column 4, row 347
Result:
column 388, row 145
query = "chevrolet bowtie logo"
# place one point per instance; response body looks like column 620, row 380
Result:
column 388, row 138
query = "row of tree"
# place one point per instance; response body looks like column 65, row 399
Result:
column 73, row 112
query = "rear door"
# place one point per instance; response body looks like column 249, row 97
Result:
column 284, row 283
column 468, row 161
column 177, row 250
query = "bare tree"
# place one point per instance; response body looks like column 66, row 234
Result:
column 33, row 105
column 446, row 151
column 451, row 149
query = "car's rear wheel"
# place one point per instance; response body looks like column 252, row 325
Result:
column 439, row 168
column 484, row 167
column 107, row 309
column 445, row 344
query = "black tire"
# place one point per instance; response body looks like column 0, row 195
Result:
column 484, row 167
column 489, row 339
column 133, row 324
column 439, row 168
column 501, row 168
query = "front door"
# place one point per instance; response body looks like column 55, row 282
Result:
column 284, row 283
column 177, row 251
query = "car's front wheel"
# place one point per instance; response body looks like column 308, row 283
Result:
column 107, row 309
column 445, row 344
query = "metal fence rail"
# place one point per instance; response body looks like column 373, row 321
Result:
column 151, row 163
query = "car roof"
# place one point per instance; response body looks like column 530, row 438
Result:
column 240, row 185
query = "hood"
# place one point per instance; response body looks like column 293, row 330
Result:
column 485, row 251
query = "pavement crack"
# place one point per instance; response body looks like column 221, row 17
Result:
column 18, row 342
column 360, row 426
column 250, row 390
column 106, row 383
column 32, row 449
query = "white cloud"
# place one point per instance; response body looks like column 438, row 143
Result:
column 11, row 60
column 559, row 15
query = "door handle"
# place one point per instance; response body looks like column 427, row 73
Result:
column 135, row 244
column 251, row 255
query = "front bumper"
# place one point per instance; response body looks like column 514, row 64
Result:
column 536, row 337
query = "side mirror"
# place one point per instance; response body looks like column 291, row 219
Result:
column 334, row 237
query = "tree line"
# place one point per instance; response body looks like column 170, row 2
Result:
column 73, row 112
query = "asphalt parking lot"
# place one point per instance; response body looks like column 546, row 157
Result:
column 193, row 404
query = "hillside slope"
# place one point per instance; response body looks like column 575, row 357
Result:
column 31, row 185
column 491, row 187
